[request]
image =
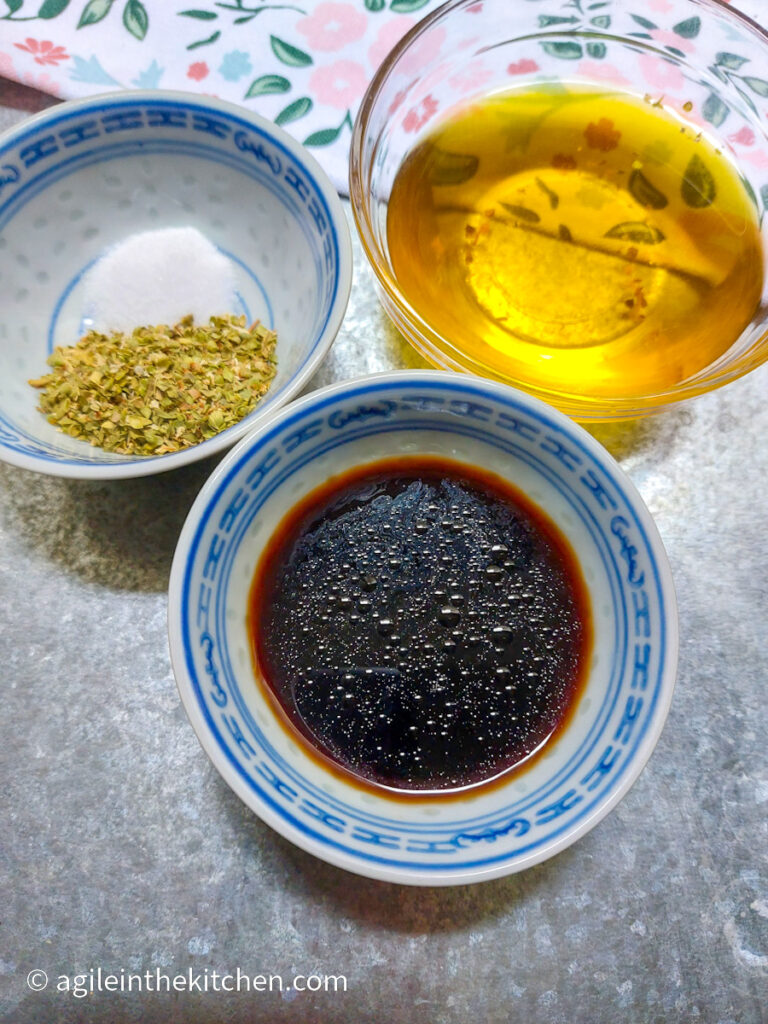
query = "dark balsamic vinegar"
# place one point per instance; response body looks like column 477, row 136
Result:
column 421, row 625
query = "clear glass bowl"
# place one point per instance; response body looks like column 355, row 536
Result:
column 702, row 60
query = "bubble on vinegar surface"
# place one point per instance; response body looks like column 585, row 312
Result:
column 416, row 654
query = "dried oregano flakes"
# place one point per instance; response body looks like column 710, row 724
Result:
column 159, row 389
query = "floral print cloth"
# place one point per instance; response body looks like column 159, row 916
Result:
column 304, row 65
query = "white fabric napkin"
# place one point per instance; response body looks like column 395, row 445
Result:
column 303, row 64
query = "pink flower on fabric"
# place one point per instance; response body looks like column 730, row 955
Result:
column 672, row 39
column 43, row 51
column 475, row 8
column 757, row 157
column 418, row 116
column 467, row 43
column 523, row 67
column 43, row 82
column 198, row 71
column 339, row 85
column 391, row 32
column 6, row 65
column 332, row 26
column 436, row 77
column 743, row 137
column 662, row 6
column 423, row 51
column 470, row 78
column 397, row 101
column 598, row 70
column 660, row 74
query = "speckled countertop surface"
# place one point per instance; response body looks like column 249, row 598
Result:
column 122, row 849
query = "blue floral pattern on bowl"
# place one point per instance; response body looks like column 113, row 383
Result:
column 617, row 722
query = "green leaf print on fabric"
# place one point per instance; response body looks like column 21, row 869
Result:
column 299, row 108
column 715, row 110
column 136, row 19
column 565, row 51
column 205, row 42
column 288, row 54
column 327, row 135
column 747, row 99
column 94, row 11
column 732, row 61
column 407, row 6
column 52, row 8
column 698, row 188
column 750, row 191
column 757, row 85
column 689, row 28
column 636, row 231
column 266, row 84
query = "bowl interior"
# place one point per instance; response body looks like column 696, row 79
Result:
column 696, row 57
column 477, row 834
column 86, row 176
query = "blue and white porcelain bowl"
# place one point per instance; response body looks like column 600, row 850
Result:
column 484, row 833
column 84, row 176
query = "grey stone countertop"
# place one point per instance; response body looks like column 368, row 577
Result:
column 122, row 849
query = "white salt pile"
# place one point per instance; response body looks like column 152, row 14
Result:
column 158, row 277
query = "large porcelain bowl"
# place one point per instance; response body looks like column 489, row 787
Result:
column 617, row 721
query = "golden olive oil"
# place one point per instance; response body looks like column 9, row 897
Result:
column 578, row 241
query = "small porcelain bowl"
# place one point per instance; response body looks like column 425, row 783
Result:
column 83, row 176
column 482, row 833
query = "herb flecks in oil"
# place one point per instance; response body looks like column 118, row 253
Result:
column 159, row 389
